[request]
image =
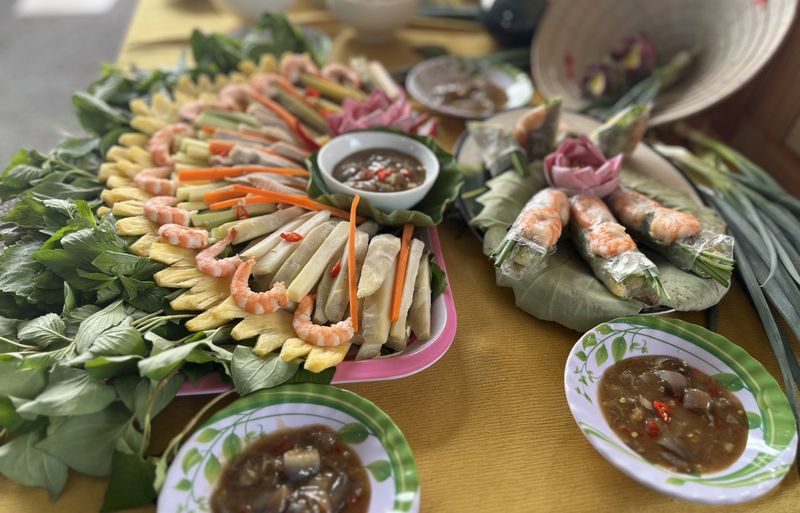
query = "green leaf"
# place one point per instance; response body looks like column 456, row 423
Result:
column 753, row 420
column 618, row 348
column 86, row 443
column 581, row 356
column 19, row 267
column 117, row 263
column 10, row 420
column 438, row 279
column 730, row 381
column 381, row 470
column 70, row 392
column 44, row 331
column 304, row 376
column 589, row 340
column 212, row 469
column 184, row 485
column 107, row 367
column 207, row 435
column 605, row 329
column 122, row 340
column 353, row 433
column 17, row 380
column 95, row 115
column 251, row 372
column 601, row 355
column 131, row 483
column 96, row 324
column 22, row 462
column 158, row 366
column 428, row 212
column 231, row 446
column 192, row 458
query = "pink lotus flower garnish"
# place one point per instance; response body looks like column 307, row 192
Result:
column 376, row 112
column 579, row 167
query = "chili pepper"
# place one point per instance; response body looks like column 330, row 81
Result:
column 241, row 211
column 652, row 429
column 662, row 409
column 368, row 175
column 383, row 174
column 336, row 269
column 291, row 236
column 407, row 173
column 312, row 93
column 569, row 66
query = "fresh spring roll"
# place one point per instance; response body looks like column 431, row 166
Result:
column 611, row 253
column 623, row 131
column 533, row 235
column 679, row 236
column 399, row 332
column 419, row 315
column 537, row 130
column 499, row 149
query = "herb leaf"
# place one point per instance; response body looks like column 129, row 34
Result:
column 251, row 372
column 69, row 392
column 21, row 461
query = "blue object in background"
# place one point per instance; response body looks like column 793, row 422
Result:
column 512, row 22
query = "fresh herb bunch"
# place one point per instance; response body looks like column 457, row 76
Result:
column 765, row 220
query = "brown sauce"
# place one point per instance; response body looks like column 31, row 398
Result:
column 673, row 415
column 306, row 470
column 476, row 95
column 380, row 170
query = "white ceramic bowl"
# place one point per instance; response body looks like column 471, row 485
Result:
column 345, row 145
column 251, row 10
column 374, row 20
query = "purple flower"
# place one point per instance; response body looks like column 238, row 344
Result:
column 636, row 56
column 579, row 167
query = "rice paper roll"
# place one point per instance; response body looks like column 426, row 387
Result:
column 678, row 236
column 499, row 148
column 623, row 131
column 536, row 131
column 534, row 234
column 611, row 253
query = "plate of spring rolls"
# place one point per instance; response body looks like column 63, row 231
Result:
column 584, row 222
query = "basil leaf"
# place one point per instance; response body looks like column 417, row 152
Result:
column 117, row 263
column 158, row 366
column 69, row 392
column 10, row 420
column 131, row 483
column 251, row 372
column 121, row 340
column 21, row 461
column 96, row 324
column 135, row 393
column 44, row 331
column 106, row 367
column 95, row 115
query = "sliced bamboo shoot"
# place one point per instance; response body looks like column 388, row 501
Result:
column 381, row 256
column 398, row 334
column 172, row 255
column 339, row 296
column 249, row 229
column 325, row 285
column 207, row 292
column 294, row 348
column 130, row 208
column 279, row 332
column 318, row 263
column 260, row 248
column 217, row 316
column 419, row 316
column 306, row 249
column 273, row 259
column 143, row 245
column 111, row 196
column 175, row 277
column 277, row 324
column 321, row 358
column 135, row 226
column 376, row 316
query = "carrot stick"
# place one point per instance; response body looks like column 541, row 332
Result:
column 294, row 199
column 274, row 106
column 218, row 173
column 400, row 275
column 217, row 147
column 351, row 264
column 221, row 195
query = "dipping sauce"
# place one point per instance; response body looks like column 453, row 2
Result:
column 380, row 170
column 306, row 470
column 476, row 95
column 673, row 415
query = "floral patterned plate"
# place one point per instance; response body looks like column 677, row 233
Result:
column 380, row 444
column 772, row 440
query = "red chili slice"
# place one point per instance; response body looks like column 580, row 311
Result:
column 336, row 269
column 652, row 429
column 291, row 236
column 383, row 174
column 663, row 410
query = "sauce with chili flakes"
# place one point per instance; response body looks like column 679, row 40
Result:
column 305, row 470
column 380, row 170
column 673, row 414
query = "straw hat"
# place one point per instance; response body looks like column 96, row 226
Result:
column 735, row 39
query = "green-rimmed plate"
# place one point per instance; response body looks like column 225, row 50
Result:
column 369, row 431
column 772, row 440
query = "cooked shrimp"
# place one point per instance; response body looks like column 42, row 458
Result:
column 206, row 261
column 590, row 210
column 542, row 225
column 160, row 143
column 235, row 96
column 632, row 207
column 256, row 302
column 162, row 210
column 529, row 122
column 323, row 336
column 190, row 111
column 183, row 236
column 669, row 225
column 341, row 74
column 293, row 66
column 155, row 181
column 609, row 239
column 266, row 83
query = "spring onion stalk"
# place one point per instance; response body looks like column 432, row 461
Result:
column 765, row 221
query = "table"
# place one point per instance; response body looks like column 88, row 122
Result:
column 488, row 424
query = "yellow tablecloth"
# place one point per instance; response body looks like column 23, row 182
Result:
column 489, row 424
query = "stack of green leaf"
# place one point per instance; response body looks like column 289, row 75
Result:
column 765, row 220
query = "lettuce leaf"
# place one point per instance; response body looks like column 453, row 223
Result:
column 428, row 212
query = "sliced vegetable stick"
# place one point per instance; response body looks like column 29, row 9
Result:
column 260, row 248
column 376, row 323
column 400, row 274
column 216, row 316
column 351, row 247
column 225, row 193
column 339, row 296
column 178, row 277
column 135, row 226
column 292, row 199
column 398, row 334
column 248, row 229
column 293, row 265
column 332, row 269
column 380, row 256
column 142, row 246
column 196, row 192
column 221, row 221
column 321, row 358
column 310, row 274
column 218, row 173
column 116, row 181
column 294, row 348
column 276, row 324
column 128, row 208
column 192, row 205
column 419, row 315
column 273, row 259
